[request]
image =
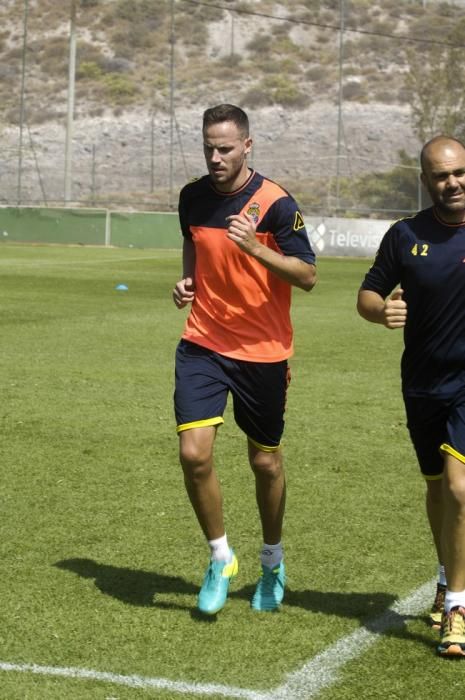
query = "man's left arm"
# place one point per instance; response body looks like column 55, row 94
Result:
column 291, row 269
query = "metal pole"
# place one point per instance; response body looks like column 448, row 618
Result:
column 31, row 142
column 92, row 186
column 339, row 115
column 21, row 107
column 172, row 40
column 232, row 34
column 70, row 113
column 152, row 151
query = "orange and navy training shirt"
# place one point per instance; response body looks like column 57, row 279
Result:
column 241, row 309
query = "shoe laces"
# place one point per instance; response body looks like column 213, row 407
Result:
column 454, row 622
column 214, row 571
column 269, row 580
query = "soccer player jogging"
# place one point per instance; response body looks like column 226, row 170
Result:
column 245, row 246
column 425, row 256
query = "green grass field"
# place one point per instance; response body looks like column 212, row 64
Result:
column 101, row 554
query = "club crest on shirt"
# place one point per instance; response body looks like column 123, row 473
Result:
column 254, row 211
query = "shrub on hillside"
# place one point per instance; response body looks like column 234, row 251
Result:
column 275, row 90
column 88, row 70
column 120, row 88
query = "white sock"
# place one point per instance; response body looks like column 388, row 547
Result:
column 442, row 575
column 219, row 549
column 271, row 554
column 454, row 599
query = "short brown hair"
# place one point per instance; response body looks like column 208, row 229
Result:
column 227, row 113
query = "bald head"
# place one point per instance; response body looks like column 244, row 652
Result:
column 438, row 144
column 443, row 175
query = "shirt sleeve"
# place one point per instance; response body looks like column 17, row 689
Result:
column 183, row 215
column 287, row 225
column 384, row 274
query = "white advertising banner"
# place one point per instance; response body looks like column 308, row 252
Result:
column 346, row 237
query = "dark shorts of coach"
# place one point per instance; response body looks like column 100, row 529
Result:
column 437, row 427
column 258, row 389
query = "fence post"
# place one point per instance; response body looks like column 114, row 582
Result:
column 107, row 227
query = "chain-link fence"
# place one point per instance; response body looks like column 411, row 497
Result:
column 322, row 83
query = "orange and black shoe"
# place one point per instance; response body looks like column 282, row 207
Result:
column 435, row 615
column 453, row 633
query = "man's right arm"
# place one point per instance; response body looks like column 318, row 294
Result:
column 391, row 312
column 183, row 293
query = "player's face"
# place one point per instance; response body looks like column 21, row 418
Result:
column 444, row 178
column 225, row 150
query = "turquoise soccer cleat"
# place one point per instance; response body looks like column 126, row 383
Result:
column 214, row 591
column 269, row 592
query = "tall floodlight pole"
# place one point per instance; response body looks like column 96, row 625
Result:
column 172, row 40
column 21, row 104
column 339, row 112
column 70, row 109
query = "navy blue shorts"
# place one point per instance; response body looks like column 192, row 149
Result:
column 258, row 389
column 437, row 427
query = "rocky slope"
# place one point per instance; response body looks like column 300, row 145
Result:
column 127, row 159
column 136, row 135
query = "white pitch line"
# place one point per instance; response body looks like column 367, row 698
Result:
column 304, row 684
column 322, row 671
column 141, row 682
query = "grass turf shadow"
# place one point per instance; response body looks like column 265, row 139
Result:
column 134, row 587
column 141, row 588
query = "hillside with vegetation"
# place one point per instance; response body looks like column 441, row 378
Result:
column 275, row 53
column 138, row 60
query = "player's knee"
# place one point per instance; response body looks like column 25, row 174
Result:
column 195, row 458
column 454, row 482
column 267, row 464
column 195, row 471
column 456, row 488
